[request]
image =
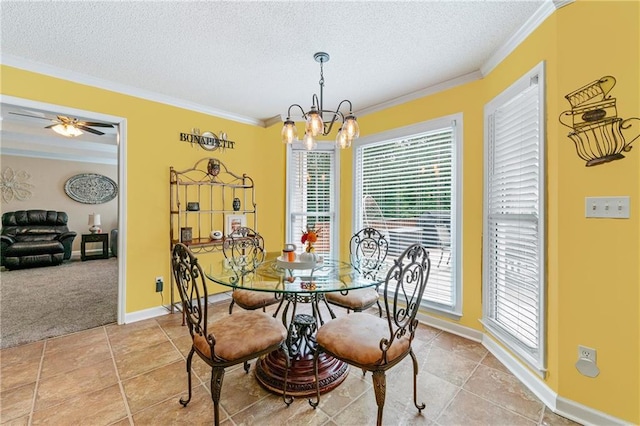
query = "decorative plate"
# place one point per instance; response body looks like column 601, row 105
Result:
column 91, row 188
column 209, row 141
column 297, row 264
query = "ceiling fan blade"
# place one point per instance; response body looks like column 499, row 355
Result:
column 89, row 129
column 94, row 124
column 32, row 116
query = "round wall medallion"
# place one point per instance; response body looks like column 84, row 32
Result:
column 91, row 188
column 209, row 141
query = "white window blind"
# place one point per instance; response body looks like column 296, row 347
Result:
column 404, row 187
column 513, row 285
column 311, row 197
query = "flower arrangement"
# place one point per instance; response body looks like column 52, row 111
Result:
column 309, row 237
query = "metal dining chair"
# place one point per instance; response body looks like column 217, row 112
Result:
column 368, row 250
column 378, row 344
column 244, row 251
column 232, row 340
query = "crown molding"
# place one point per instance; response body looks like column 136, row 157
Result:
column 81, row 78
column 445, row 85
column 543, row 12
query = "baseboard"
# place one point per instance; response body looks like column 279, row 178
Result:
column 162, row 310
column 558, row 404
column 451, row 327
column 585, row 415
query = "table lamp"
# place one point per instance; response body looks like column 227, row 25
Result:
column 94, row 223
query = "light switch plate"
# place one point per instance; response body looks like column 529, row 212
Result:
column 607, row 207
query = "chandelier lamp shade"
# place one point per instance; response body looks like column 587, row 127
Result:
column 320, row 121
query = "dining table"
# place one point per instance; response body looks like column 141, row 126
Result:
column 297, row 283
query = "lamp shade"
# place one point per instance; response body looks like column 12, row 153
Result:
column 94, row 219
column 309, row 141
column 314, row 124
column 289, row 132
column 66, row 130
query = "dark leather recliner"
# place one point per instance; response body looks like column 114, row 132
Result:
column 35, row 238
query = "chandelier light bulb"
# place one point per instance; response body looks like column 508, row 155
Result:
column 342, row 139
column 315, row 124
column 309, row 141
column 289, row 132
column 351, row 127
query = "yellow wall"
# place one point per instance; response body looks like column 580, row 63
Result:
column 593, row 272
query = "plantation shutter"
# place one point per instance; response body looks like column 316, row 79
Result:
column 312, row 203
column 403, row 187
column 513, row 243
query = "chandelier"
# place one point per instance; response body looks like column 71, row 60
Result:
column 320, row 121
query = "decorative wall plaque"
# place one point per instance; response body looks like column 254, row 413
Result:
column 91, row 188
column 14, row 185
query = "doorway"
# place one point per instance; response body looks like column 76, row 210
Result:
column 35, row 141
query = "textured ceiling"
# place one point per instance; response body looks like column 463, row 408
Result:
column 251, row 60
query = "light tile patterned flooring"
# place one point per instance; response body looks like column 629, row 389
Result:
column 134, row 374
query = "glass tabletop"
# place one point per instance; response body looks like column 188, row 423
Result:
column 327, row 276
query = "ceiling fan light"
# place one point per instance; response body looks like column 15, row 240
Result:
column 342, row 140
column 315, row 125
column 66, row 130
column 309, row 141
column 351, row 127
column 289, row 132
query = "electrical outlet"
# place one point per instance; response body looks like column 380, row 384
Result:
column 159, row 284
column 587, row 353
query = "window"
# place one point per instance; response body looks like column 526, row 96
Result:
column 513, row 252
column 311, row 196
column 406, row 187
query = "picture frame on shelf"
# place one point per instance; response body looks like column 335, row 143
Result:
column 186, row 234
column 233, row 222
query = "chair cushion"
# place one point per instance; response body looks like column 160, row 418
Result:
column 356, row 339
column 359, row 299
column 241, row 334
column 249, row 299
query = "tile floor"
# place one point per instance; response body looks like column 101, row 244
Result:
column 134, row 374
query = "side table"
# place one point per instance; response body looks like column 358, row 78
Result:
column 94, row 238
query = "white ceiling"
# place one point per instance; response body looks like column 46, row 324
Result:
column 250, row 60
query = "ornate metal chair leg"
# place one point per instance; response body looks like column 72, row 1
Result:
column 247, row 366
column 217, row 375
column 287, row 399
column 379, row 308
column 231, row 306
column 183, row 401
column 380, row 388
column 316, row 353
column 420, row 407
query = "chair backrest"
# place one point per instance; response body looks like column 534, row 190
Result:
column 192, row 287
column 34, row 224
column 244, row 250
column 372, row 216
column 403, row 290
column 368, row 250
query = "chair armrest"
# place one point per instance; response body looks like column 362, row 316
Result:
column 66, row 238
column 63, row 236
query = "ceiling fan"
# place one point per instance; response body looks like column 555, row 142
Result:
column 68, row 126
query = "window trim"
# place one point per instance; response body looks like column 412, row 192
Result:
column 322, row 146
column 537, row 364
column 456, row 121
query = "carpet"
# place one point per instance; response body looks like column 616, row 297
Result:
column 39, row 303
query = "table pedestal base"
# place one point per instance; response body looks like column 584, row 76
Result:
column 300, row 381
